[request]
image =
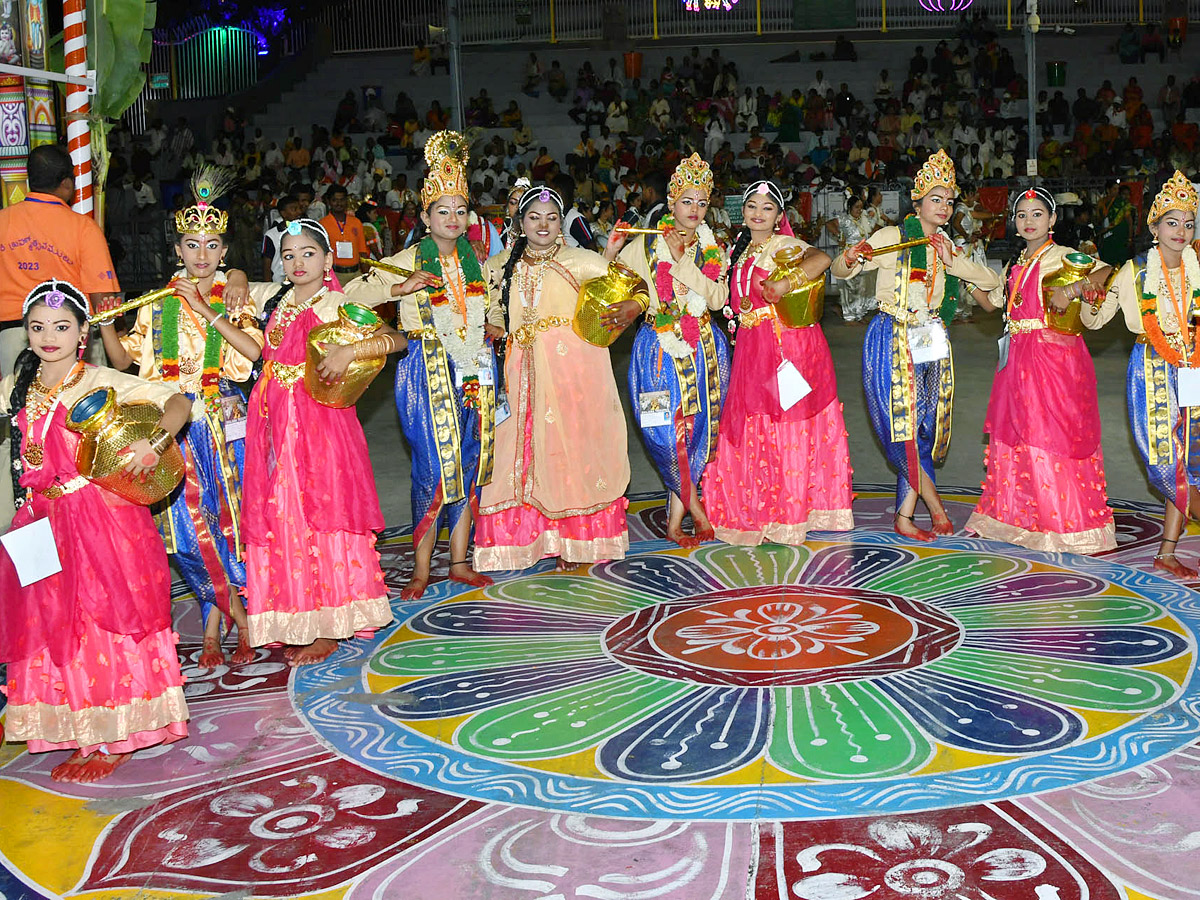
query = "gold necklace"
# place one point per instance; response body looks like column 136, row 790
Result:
column 537, row 256
column 35, row 451
column 288, row 313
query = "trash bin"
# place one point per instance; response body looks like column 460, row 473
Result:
column 633, row 64
column 1056, row 74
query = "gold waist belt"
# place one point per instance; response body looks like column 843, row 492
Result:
column 907, row 316
column 527, row 333
column 1025, row 326
column 287, row 376
column 61, row 490
column 757, row 316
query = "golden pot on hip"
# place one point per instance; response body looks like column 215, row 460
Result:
column 596, row 295
column 1075, row 268
column 353, row 324
column 805, row 305
column 107, row 428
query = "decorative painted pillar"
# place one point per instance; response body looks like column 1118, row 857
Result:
column 78, row 134
column 14, row 139
column 39, row 95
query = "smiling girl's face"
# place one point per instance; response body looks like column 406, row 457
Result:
column 542, row 224
column 446, row 218
column 760, row 214
column 1033, row 220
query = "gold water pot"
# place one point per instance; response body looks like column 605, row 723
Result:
column 1075, row 267
column 805, row 305
column 353, row 324
column 596, row 295
column 107, row 429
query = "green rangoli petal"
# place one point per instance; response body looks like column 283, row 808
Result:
column 753, row 566
column 568, row 720
column 585, row 595
column 1074, row 684
column 928, row 579
column 430, row 656
column 1108, row 610
column 845, row 731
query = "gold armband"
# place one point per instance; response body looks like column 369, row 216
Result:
column 374, row 347
column 160, row 439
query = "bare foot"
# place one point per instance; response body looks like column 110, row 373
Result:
column 211, row 655
column 464, row 574
column 679, row 536
column 244, row 652
column 315, row 652
column 563, row 566
column 80, row 769
column 906, row 527
column 415, row 587
column 942, row 524
column 1169, row 563
column 705, row 534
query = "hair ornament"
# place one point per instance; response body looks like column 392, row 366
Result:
column 207, row 185
column 693, row 172
column 1036, row 192
column 446, row 153
column 938, row 171
column 1178, row 193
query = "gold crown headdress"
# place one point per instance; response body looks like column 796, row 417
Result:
column 208, row 183
column 1178, row 193
column 938, row 171
column 446, row 153
column 693, row 172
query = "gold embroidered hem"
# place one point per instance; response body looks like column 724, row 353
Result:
column 550, row 514
column 333, row 622
column 795, row 534
column 550, row 543
column 1094, row 540
column 94, row 725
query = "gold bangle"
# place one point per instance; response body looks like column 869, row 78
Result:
column 160, row 439
column 374, row 347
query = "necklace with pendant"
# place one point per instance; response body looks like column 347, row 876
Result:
column 286, row 315
column 35, row 450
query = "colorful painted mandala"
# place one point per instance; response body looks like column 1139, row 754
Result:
column 727, row 682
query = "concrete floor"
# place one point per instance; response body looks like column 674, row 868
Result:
column 974, row 358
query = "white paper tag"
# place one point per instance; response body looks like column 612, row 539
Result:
column 654, row 408
column 345, row 250
column 1003, row 344
column 33, row 551
column 792, row 386
column 1187, row 387
column 928, row 343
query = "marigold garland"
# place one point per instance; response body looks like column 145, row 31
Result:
column 210, row 375
column 677, row 319
column 1149, row 311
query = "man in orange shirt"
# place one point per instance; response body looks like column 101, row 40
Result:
column 42, row 238
column 345, row 234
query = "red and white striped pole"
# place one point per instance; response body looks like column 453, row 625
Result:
column 78, row 133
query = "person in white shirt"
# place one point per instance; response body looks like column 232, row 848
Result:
column 884, row 89
column 747, row 112
column 714, row 136
column 819, row 84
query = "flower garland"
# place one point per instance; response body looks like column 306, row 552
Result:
column 919, row 272
column 210, row 374
column 463, row 343
column 1156, row 275
column 677, row 318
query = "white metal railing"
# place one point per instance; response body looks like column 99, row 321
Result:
column 366, row 25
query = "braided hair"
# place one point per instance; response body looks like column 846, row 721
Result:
column 536, row 193
column 48, row 293
column 740, row 243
